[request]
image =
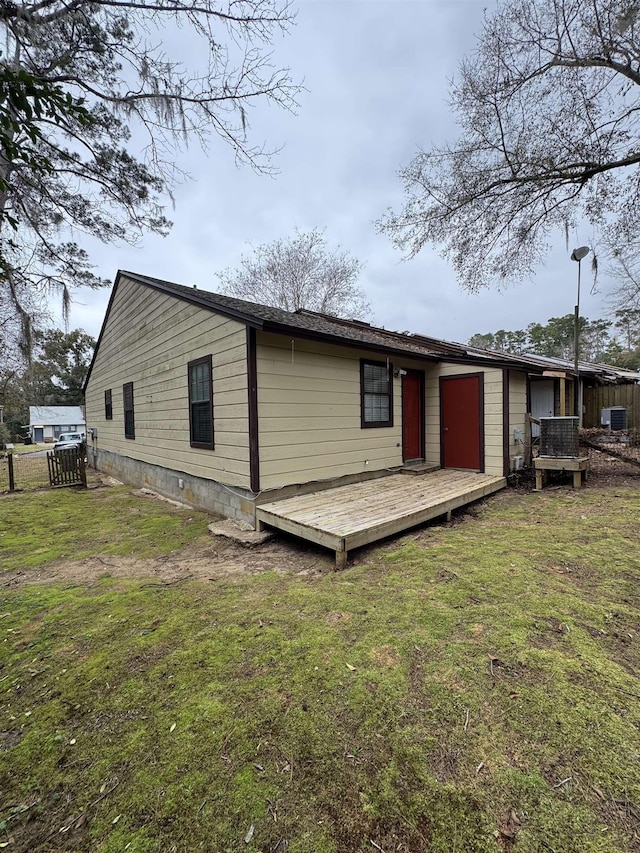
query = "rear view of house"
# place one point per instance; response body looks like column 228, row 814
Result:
column 230, row 405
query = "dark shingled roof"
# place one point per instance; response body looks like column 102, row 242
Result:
column 323, row 327
column 270, row 319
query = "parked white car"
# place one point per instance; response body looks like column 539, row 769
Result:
column 68, row 440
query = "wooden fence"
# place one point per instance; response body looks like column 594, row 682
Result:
column 67, row 467
column 23, row 471
column 602, row 396
column 20, row 471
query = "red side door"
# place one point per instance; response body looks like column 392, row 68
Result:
column 462, row 422
column 412, row 420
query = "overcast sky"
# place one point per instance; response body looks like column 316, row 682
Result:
column 376, row 74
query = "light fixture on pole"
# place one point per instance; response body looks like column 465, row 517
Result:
column 577, row 255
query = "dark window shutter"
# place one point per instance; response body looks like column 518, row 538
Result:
column 127, row 401
column 376, row 394
column 201, row 403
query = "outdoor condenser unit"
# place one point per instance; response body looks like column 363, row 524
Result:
column 613, row 417
column 559, row 437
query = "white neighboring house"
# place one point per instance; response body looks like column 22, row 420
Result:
column 46, row 423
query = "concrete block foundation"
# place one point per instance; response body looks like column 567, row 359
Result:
column 229, row 501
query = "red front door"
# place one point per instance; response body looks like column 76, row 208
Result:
column 461, row 422
column 412, row 407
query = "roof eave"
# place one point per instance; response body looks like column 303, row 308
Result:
column 102, row 328
column 502, row 363
column 352, row 343
column 195, row 299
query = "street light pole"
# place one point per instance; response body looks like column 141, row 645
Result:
column 577, row 255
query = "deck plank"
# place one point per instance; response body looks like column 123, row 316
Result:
column 364, row 536
column 357, row 514
column 349, row 506
column 347, row 499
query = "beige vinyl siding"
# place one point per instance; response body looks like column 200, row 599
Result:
column 309, row 413
column 517, row 412
column 493, row 413
column 149, row 339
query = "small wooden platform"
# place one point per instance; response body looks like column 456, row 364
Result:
column 350, row 516
column 418, row 468
column 579, row 465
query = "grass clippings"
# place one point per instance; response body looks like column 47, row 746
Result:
column 473, row 688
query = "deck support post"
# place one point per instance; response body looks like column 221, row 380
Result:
column 259, row 525
column 579, row 477
column 448, row 516
column 341, row 557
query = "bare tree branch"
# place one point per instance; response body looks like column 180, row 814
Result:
column 95, row 71
column 300, row 273
column 549, row 114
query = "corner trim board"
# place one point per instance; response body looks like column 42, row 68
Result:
column 252, row 391
column 506, row 424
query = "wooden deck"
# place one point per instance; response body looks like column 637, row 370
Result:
column 350, row 516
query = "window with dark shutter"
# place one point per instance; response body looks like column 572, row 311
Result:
column 127, row 401
column 201, row 403
column 108, row 405
column 376, row 394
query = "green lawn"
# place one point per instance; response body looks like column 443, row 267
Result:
column 39, row 527
column 473, row 689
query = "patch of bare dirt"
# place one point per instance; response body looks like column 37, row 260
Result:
column 608, row 471
column 386, row 656
column 212, row 561
column 10, row 738
column 335, row 618
column 620, row 813
column 444, row 762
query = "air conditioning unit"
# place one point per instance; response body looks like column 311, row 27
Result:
column 613, row 417
column 559, row 437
